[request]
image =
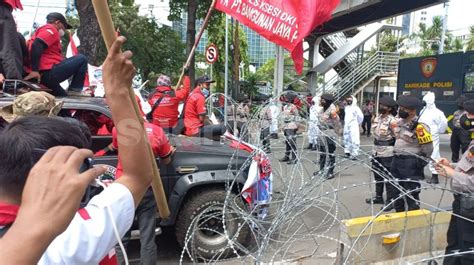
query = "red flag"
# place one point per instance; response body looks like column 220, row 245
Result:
column 284, row 22
column 73, row 47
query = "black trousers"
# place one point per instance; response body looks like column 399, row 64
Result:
column 460, row 237
column 460, row 140
column 11, row 56
column 290, row 142
column 367, row 124
column 329, row 153
column 381, row 168
column 405, row 168
column 213, row 132
column 265, row 138
column 146, row 217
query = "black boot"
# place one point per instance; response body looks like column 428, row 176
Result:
column 375, row 200
column 389, row 207
column 292, row 161
column 285, row 159
column 434, row 179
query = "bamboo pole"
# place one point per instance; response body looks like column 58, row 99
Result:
column 196, row 42
column 108, row 33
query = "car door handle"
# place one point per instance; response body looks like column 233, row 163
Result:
column 186, row 169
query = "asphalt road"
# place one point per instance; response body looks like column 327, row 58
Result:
column 351, row 199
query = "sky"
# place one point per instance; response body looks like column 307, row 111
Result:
column 460, row 12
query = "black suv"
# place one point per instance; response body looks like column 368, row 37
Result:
column 196, row 182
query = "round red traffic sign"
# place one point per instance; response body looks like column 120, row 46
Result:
column 212, row 54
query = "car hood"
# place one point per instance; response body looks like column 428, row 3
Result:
column 207, row 154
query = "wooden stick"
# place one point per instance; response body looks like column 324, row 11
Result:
column 108, row 33
column 196, row 42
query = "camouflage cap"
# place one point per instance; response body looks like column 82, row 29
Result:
column 32, row 103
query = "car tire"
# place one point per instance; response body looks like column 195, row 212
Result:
column 206, row 239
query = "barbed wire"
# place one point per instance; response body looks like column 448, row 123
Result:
column 307, row 213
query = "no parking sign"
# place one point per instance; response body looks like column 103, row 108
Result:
column 212, row 54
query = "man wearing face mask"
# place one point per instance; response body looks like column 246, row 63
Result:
column 460, row 235
column 384, row 140
column 413, row 145
column 353, row 118
column 460, row 138
column 330, row 125
column 196, row 121
column 435, row 119
column 47, row 62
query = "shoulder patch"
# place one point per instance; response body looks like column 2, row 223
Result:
column 424, row 137
column 50, row 31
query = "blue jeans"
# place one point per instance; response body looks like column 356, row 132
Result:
column 75, row 66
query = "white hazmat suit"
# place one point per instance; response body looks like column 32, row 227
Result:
column 436, row 120
column 313, row 130
column 352, row 120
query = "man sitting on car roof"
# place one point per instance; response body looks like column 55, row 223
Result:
column 47, row 62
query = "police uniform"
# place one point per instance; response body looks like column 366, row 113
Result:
column 413, row 141
column 290, row 112
column 460, row 235
column 459, row 136
column 384, row 140
column 265, row 123
column 330, row 126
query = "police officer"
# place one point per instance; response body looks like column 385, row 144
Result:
column 413, row 145
column 384, row 140
column 290, row 112
column 460, row 235
column 459, row 137
column 330, row 125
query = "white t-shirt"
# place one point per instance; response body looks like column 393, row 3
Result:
column 90, row 236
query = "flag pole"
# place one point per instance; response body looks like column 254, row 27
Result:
column 108, row 33
column 196, row 42
column 226, row 78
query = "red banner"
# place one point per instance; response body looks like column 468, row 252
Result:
column 284, row 22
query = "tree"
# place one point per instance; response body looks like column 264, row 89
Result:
column 195, row 9
column 430, row 38
column 92, row 44
column 249, row 86
column 156, row 49
column 470, row 41
column 216, row 35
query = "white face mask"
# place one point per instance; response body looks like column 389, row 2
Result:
column 61, row 33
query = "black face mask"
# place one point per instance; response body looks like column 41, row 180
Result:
column 467, row 123
column 460, row 107
column 349, row 103
column 403, row 114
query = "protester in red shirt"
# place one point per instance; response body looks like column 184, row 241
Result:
column 146, row 210
column 11, row 59
column 47, row 62
column 196, row 121
column 165, row 102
